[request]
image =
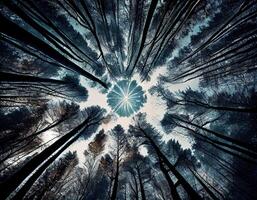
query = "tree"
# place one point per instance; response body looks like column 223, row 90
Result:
column 145, row 131
column 24, row 36
column 202, row 125
column 86, row 178
column 94, row 115
column 139, row 168
column 53, row 179
column 224, row 44
column 195, row 56
column 120, row 149
column 25, row 141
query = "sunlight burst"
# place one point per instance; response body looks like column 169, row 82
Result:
column 126, row 98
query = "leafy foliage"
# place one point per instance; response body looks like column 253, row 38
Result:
column 128, row 99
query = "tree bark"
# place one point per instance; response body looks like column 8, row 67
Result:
column 222, row 136
column 17, row 178
column 173, row 190
column 188, row 188
column 141, row 184
column 115, row 184
column 13, row 30
column 211, row 194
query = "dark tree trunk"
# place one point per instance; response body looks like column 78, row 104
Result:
column 173, row 190
column 241, row 144
column 31, row 137
column 14, row 31
column 11, row 77
column 144, row 34
column 188, row 188
column 212, row 195
column 26, row 187
column 219, row 32
column 115, row 185
column 220, row 108
column 141, row 184
column 17, row 178
column 136, row 186
column 220, row 145
column 116, row 178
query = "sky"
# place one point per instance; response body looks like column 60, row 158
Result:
column 155, row 107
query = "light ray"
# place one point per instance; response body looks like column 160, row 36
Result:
column 126, row 98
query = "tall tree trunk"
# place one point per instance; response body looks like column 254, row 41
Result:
column 173, row 190
column 26, row 187
column 220, row 145
column 141, row 184
column 30, row 139
column 136, row 186
column 214, row 107
column 11, row 77
column 116, row 178
column 8, row 186
column 188, row 188
column 218, row 32
column 115, row 184
column 13, row 30
column 144, row 34
column 211, row 194
column 241, row 144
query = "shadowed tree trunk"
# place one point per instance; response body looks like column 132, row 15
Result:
column 243, row 7
column 135, row 184
column 212, row 195
column 141, row 184
column 115, row 184
column 188, row 188
column 26, row 187
column 11, row 77
column 223, row 136
column 144, row 34
column 31, row 137
column 172, row 186
column 13, row 30
column 17, row 178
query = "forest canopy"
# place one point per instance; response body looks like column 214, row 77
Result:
column 128, row 99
